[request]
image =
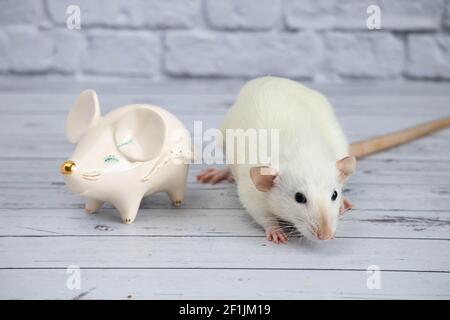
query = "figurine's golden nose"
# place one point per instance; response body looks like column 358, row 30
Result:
column 67, row 167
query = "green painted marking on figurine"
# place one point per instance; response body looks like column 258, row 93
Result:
column 111, row 159
column 124, row 143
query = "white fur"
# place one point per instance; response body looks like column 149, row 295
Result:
column 311, row 141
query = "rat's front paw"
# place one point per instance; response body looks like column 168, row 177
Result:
column 276, row 235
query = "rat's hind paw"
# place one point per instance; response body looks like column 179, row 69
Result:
column 213, row 175
column 346, row 205
column 276, row 235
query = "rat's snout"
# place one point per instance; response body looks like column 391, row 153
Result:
column 325, row 235
column 325, row 230
column 67, row 167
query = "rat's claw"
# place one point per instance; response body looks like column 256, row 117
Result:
column 277, row 235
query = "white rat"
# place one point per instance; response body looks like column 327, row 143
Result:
column 130, row 153
column 315, row 159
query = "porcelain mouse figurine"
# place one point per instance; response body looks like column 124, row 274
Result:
column 128, row 154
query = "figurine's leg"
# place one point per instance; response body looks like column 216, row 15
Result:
column 214, row 175
column 176, row 193
column 128, row 209
column 93, row 205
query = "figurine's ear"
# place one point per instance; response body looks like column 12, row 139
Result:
column 140, row 134
column 346, row 166
column 83, row 115
column 263, row 177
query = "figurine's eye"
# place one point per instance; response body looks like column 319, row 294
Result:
column 300, row 197
column 111, row 159
column 334, row 195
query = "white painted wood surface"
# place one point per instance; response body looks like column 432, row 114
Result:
column 210, row 248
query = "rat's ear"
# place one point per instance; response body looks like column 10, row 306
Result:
column 346, row 166
column 263, row 177
column 140, row 134
column 83, row 115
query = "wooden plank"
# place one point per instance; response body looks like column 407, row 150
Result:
column 354, row 125
column 221, row 284
column 60, row 104
column 57, row 84
column 431, row 148
column 44, row 172
column 212, row 223
column 366, row 197
column 223, row 252
column 402, row 194
column 207, row 103
column 43, row 135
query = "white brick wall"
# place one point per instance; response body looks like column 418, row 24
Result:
column 14, row 12
column 377, row 55
column 401, row 15
column 428, row 56
column 29, row 50
column 130, row 13
column 242, row 55
column 160, row 39
column 4, row 62
column 447, row 15
column 243, row 14
column 126, row 53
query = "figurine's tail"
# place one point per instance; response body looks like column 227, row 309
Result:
column 367, row 147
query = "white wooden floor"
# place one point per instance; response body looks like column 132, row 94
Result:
column 210, row 248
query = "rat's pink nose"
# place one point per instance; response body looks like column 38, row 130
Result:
column 67, row 167
column 325, row 235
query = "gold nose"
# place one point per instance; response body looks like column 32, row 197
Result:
column 67, row 167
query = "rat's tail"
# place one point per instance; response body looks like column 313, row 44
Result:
column 364, row 148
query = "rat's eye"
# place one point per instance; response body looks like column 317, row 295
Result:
column 111, row 159
column 334, row 195
column 300, row 197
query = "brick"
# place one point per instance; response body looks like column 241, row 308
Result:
column 428, row 56
column 29, row 50
column 4, row 60
column 403, row 15
column 128, row 53
column 13, row 12
column 243, row 14
column 130, row 13
column 372, row 55
column 243, row 55
column 447, row 15
column 68, row 49
column 309, row 14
